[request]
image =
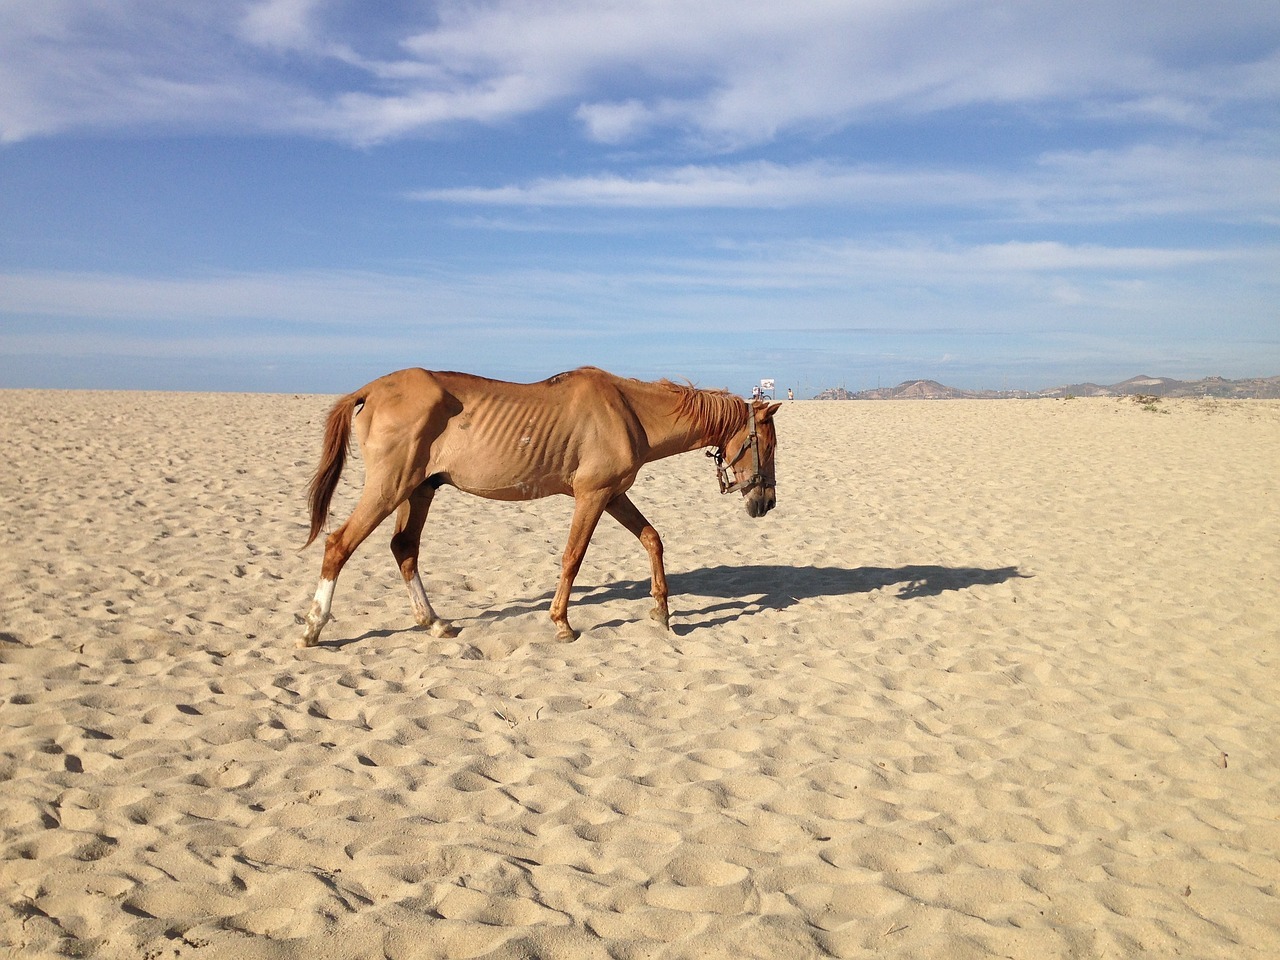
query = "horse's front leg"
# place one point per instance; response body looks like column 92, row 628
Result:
column 586, row 514
column 624, row 511
column 405, row 547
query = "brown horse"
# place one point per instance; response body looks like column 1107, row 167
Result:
column 585, row 433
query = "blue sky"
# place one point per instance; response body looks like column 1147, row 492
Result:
column 300, row 195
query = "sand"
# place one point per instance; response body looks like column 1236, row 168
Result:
column 996, row 679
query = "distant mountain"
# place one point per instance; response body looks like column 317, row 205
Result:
column 919, row 390
column 1256, row 388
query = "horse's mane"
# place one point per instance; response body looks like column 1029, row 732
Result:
column 716, row 413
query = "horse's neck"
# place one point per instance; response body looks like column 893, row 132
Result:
column 669, row 432
column 673, row 436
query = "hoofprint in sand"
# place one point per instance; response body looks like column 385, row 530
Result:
column 994, row 679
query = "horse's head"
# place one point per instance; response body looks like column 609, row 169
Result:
column 749, row 454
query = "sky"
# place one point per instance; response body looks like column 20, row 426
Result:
column 302, row 195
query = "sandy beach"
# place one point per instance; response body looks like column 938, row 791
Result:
column 995, row 679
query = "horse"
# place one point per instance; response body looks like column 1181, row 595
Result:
column 585, row 433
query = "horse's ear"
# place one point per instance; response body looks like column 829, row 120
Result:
column 773, row 408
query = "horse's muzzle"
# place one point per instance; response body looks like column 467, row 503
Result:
column 760, row 501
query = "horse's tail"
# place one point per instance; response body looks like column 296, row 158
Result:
column 333, row 457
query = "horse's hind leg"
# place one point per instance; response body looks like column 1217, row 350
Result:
column 624, row 511
column 338, row 548
column 405, row 546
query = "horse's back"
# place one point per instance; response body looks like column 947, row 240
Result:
column 517, row 441
column 583, row 381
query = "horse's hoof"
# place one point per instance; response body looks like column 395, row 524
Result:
column 314, row 622
column 311, row 636
column 661, row 616
column 443, row 628
column 567, row 635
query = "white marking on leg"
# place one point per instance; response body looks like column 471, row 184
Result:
column 422, row 611
column 324, row 597
column 421, row 605
column 318, row 615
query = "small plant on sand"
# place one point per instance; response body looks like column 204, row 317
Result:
column 1148, row 402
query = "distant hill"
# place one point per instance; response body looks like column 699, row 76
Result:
column 919, row 390
column 834, row 393
column 1256, row 388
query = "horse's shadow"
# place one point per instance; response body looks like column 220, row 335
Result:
column 746, row 589
column 743, row 590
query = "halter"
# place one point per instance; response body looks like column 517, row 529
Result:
column 725, row 478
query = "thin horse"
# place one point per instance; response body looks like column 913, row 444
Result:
column 585, row 434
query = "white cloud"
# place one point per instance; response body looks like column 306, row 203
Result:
column 287, row 24
column 722, row 73
column 747, row 185
column 311, row 297
column 334, row 298
column 742, row 185
column 129, row 64
column 1004, row 272
column 644, row 315
column 616, row 122
column 1236, row 181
